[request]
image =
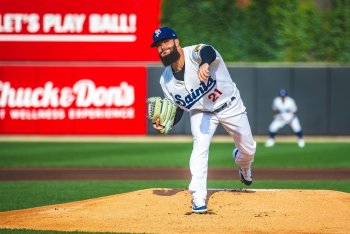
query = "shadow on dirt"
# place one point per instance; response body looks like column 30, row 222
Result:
column 168, row 192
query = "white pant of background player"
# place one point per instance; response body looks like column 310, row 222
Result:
column 280, row 121
column 203, row 126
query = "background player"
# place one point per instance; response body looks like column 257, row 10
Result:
column 284, row 109
column 197, row 80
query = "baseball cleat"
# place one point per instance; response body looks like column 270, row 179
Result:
column 199, row 210
column 235, row 152
column 198, row 206
column 246, row 175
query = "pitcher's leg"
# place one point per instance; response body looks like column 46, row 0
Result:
column 203, row 126
column 238, row 127
column 244, row 142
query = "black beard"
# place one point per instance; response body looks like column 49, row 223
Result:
column 170, row 58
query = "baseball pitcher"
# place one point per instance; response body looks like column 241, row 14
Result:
column 196, row 80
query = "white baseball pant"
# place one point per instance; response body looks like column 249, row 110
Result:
column 278, row 123
column 203, row 126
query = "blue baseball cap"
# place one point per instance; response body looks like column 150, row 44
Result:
column 161, row 34
column 283, row 93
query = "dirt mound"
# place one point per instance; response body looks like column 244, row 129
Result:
column 168, row 211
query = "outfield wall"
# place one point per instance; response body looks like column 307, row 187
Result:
column 321, row 93
column 109, row 98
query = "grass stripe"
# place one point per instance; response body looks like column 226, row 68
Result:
column 75, row 154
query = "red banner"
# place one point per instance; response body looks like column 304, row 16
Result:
column 72, row 100
column 78, row 30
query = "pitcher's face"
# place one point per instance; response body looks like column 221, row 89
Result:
column 167, row 52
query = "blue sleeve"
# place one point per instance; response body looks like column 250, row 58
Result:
column 208, row 55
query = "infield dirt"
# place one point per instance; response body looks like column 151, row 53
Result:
column 169, row 211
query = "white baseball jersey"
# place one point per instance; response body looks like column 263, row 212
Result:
column 192, row 94
column 287, row 106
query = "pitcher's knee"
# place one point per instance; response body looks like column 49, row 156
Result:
column 245, row 154
column 248, row 149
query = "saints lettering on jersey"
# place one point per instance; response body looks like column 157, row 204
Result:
column 195, row 94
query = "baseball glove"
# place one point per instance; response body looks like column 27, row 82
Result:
column 162, row 109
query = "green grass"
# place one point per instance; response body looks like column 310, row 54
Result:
column 314, row 155
column 39, row 193
column 92, row 154
column 288, row 155
column 19, row 195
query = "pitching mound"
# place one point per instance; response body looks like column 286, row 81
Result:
column 168, row 211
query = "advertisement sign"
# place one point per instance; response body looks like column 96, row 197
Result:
column 79, row 30
column 72, row 100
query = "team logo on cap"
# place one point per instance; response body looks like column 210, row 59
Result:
column 158, row 32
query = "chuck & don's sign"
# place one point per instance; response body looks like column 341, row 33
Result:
column 72, row 100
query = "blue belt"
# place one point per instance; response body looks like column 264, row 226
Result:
column 224, row 105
